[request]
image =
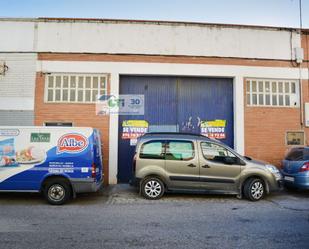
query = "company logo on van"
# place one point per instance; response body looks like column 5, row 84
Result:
column 72, row 143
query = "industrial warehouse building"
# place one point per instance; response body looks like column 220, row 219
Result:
column 245, row 85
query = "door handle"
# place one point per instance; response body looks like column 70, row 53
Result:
column 191, row 165
column 206, row 166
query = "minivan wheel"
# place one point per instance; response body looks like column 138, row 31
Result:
column 254, row 189
column 57, row 191
column 152, row 188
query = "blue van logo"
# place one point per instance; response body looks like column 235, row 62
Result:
column 72, row 143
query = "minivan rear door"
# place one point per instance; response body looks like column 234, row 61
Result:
column 181, row 162
column 219, row 168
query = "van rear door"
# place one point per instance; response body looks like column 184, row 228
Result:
column 97, row 150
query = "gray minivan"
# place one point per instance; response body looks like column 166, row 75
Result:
column 187, row 162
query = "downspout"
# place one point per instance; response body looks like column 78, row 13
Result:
column 301, row 99
column 300, row 73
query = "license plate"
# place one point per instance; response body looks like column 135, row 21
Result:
column 289, row 178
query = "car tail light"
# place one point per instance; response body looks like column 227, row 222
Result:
column 134, row 163
column 93, row 170
column 304, row 168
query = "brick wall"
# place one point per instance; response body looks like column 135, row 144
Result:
column 266, row 127
column 163, row 59
column 79, row 114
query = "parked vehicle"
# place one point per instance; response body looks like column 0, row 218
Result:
column 176, row 161
column 57, row 161
column 295, row 168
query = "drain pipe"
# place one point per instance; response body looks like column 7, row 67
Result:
column 301, row 99
column 300, row 72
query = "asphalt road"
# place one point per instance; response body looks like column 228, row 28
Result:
column 119, row 218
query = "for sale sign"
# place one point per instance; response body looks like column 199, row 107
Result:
column 132, row 129
column 214, row 128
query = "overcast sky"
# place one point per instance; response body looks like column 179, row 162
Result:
column 283, row 13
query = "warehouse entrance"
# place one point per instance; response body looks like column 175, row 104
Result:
column 176, row 104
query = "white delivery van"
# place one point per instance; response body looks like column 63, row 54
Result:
column 57, row 161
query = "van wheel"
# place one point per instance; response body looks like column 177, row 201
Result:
column 57, row 191
column 254, row 189
column 152, row 188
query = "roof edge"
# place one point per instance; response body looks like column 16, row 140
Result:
column 158, row 22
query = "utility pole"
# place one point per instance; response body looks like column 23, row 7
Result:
column 300, row 16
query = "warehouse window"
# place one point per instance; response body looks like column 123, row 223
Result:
column 74, row 88
column 267, row 92
column 65, row 124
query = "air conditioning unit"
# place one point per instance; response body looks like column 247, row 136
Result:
column 299, row 55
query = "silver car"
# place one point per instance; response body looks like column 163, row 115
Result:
column 187, row 162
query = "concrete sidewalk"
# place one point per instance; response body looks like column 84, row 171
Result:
column 125, row 194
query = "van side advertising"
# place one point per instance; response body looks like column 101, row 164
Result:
column 32, row 156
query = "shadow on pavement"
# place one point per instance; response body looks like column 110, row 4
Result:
column 125, row 191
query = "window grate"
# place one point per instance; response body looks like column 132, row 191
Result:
column 74, row 88
column 274, row 93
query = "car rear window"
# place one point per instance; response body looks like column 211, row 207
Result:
column 299, row 154
column 152, row 150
